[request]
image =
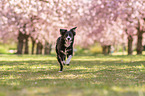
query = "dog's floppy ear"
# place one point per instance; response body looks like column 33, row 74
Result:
column 62, row 31
column 73, row 30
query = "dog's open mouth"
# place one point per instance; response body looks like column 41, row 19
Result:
column 68, row 42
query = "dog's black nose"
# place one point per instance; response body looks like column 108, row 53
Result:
column 68, row 38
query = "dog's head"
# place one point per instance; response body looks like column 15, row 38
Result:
column 68, row 36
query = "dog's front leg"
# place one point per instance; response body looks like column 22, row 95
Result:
column 60, row 62
column 68, row 59
column 63, row 59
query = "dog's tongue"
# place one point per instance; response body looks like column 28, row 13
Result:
column 68, row 42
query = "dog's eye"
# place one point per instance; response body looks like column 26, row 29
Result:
column 66, row 35
column 70, row 35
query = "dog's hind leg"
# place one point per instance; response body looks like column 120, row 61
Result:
column 69, row 55
column 68, row 59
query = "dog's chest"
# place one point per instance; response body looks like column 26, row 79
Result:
column 66, row 45
column 65, row 51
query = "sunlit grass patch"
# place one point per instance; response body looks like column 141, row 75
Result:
column 86, row 76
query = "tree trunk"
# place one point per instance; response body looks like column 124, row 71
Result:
column 123, row 48
column 47, row 49
column 109, row 49
column 104, row 50
column 33, row 45
column 20, row 43
column 130, row 40
column 39, row 48
column 139, row 42
column 26, row 45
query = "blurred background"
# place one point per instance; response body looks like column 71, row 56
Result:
column 103, row 26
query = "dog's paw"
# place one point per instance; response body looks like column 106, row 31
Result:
column 63, row 62
column 59, row 71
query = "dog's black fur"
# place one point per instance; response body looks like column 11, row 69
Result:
column 64, row 46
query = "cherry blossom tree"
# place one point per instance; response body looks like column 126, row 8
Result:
column 132, row 14
column 38, row 19
column 127, row 13
column 103, row 23
column 109, row 22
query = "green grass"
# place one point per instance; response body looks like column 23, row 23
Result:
column 100, row 75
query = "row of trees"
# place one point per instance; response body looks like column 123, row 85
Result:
column 39, row 20
column 109, row 22
column 118, row 21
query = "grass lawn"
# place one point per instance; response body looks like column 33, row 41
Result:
column 100, row 75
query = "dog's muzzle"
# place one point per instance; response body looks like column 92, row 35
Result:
column 68, row 42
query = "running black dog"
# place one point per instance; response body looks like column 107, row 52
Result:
column 64, row 46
